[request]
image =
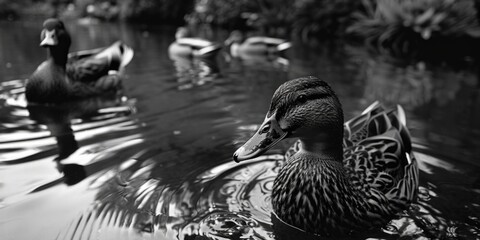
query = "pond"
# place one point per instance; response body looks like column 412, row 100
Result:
column 157, row 163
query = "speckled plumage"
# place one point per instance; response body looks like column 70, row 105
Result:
column 338, row 178
column 64, row 77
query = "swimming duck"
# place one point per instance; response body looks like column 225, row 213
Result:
column 259, row 45
column 65, row 77
column 338, row 178
column 187, row 46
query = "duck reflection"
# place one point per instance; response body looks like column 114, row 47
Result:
column 194, row 71
column 58, row 121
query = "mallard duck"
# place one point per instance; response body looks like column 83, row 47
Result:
column 260, row 45
column 64, row 77
column 187, row 46
column 338, row 178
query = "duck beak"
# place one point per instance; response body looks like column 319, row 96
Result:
column 269, row 134
column 49, row 38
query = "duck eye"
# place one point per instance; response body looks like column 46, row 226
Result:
column 302, row 98
column 265, row 129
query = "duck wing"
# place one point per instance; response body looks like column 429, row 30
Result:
column 199, row 46
column 377, row 154
column 91, row 65
column 194, row 42
column 278, row 43
column 264, row 40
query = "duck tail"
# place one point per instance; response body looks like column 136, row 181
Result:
column 402, row 128
column 118, row 54
column 371, row 108
column 402, row 117
column 284, row 46
column 127, row 55
column 121, row 53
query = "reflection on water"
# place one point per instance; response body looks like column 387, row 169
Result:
column 195, row 71
column 412, row 84
column 233, row 201
column 156, row 163
column 38, row 131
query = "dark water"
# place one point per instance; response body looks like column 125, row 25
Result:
column 156, row 164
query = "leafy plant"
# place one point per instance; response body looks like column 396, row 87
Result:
column 155, row 10
column 400, row 22
column 227, row 13
column 325, row 18
column 304, row 17
column 274, row 14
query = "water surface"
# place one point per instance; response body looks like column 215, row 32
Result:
column 156, row 163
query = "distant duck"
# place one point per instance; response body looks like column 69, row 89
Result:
column 338, row 178
column 187, row 46
column 66, row 77
column 238, row 46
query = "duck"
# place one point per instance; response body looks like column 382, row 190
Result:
column 339, row 179
column 187, row 46
column 68, row 77
column 241, row 47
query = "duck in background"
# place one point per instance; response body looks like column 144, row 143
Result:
column 194, row 59
column 338, row 179
column 239, row 46
column 187, row 46
column 66, row 77
column 257, row 49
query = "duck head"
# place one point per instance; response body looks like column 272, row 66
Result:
column 182, row 32
column 305, row 108
column 235, row 37
column 55, row 37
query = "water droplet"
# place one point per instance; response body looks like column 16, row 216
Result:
column 228, row 225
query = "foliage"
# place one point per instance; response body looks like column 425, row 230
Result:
column 155, row 10
column 12, row 9
column 273, row 14
column 401, row 22
column 386, row 23
column 323, row 17
column 227, row 13
column 8, row 10
column 305, row 17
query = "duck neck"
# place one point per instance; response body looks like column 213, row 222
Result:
column 59, row 55
column 325, row 146
column 66, row 142
column 234, row 49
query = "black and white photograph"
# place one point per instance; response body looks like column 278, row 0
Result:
column 239, row 119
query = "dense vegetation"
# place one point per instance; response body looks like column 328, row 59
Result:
column 154, row 11
column 397, row 24
column 406, row 24
column 307, row 18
